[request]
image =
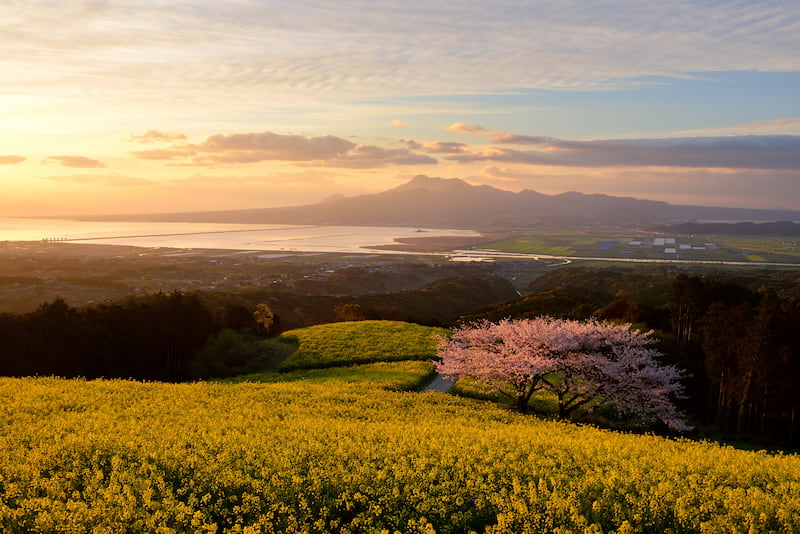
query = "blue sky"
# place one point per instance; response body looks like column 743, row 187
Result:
column 122, row 106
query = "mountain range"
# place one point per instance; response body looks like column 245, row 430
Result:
column 440, row 202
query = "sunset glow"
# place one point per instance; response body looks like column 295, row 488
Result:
column 143, row 107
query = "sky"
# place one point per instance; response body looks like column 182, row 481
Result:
column 153, row 106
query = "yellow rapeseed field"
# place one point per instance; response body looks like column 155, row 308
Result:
column 121, row 456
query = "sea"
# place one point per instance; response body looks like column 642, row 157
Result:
column 272, row 237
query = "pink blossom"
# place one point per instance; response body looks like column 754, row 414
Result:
column 584, row 364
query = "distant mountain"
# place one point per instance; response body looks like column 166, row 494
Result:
column 439, row 202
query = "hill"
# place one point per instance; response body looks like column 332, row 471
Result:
column 438, row 202
column 346, row 343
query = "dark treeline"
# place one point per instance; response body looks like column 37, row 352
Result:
column 735, row 333
column 162, row 336
column 743, row 349
column 150, row 338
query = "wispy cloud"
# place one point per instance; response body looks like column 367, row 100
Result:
column 437, row 147
column 776, row 126
column 77, row 162
column 374, row 157
column 11, row 160
column 115, row 180
column 460, row 127
column 155, row 136
column 744, row 151
column 363, row 46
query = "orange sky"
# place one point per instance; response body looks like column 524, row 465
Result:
column 150, row 107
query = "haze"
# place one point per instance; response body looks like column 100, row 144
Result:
column 142, row 107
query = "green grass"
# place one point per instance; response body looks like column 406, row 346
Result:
column 348, row 343
column 394, row 376
column 586, row 243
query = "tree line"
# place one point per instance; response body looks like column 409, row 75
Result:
column 734, row 332
column 151, row 338
column 186, row 335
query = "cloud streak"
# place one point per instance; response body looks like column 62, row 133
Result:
column 155, row 136
column 320, row 151
column 76, row 162
column 777, row 126
column 11, row 160
column 742, row 152
column 367, row 47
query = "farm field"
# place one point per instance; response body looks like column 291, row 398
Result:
column 121, row 456
column 630, row 244
column 339, row 449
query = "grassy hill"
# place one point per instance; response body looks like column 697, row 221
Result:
column 338, row 449
column 346, row 343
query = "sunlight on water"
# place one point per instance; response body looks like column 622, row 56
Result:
column 214, row 236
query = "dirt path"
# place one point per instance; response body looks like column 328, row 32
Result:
column 440, row 384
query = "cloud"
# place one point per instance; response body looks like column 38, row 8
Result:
column 400, row 124
column 436, row 147
column 241, row 148
column 440, row 147
column 322, row 151
column 251, row 49
column 459, row 127
column 373, row 157
column 777, row 126
column 743, row 152
column 269, row 146
column 77, row 162
column 115, row 180
column 11, row 160
column 506, row 138
column 155, row 136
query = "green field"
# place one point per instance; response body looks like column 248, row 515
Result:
column 394, row 376
column 339, row 449
column 620, row 244
column 338, row 344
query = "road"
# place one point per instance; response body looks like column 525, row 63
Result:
column 492, row 254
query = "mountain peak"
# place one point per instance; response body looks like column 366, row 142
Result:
column 422, row 181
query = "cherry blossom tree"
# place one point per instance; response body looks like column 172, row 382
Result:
column 584, row 364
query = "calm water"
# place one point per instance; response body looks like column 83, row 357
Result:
column 214, row 236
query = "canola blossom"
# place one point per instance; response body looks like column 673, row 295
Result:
column 122, row 456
